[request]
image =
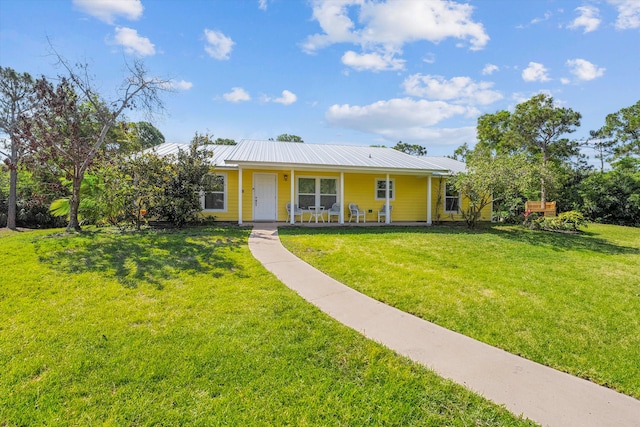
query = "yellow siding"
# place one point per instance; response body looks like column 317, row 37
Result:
column 437, row 200
column 409, row 203
column 410, row 200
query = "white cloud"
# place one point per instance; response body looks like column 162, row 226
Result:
column 176, row 85
column 546, row 17
column 108, row 10
column 628, row 14
column 287, row 98
column 429, row 58
column 565, row 81
column 458, row 89
column 535, row 72
column 403, row 119
column 237, row 94
column 132, row 42
column 394, row 114
column 218, row 45
column 453, row 137
column 262, row 4
column 372, row 61
column 489, row 69
column 584, row 70
column 385, row 27
column 180, row 85
column 588, row 19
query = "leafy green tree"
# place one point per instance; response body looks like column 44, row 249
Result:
column 148, row 135
column 490, row 178
column 225, row 141
column 71, row 122
column 412, row 149
column 603, row 145
column 536, row 128
column 613, row 197
column 289, row 138
column 181, row 200
column 137, row 185
column 623, row 128
column 568, row 176
column 493, row 133
column 461, row 153
column 89, row 211
column 16, row 90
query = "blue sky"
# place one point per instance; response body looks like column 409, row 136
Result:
column 342, row 71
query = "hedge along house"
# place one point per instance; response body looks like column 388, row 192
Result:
column 257, row 179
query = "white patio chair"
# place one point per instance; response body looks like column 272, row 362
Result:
column 296, row 211
column 334, row 211
column 382, row 213
column 354, row 211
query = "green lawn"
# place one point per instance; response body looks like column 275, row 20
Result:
column 568, row 301
column 186, row 328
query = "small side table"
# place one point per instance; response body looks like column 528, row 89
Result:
column 316, row 212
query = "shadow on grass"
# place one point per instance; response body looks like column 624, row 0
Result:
column 148, row 256
column 584, row 241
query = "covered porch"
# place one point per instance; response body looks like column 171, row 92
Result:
column 312, row 195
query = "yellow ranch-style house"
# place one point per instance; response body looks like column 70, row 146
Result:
column 293, row 182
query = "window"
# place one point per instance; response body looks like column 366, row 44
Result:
column 451, row 199
column 328, row 192
column 216, row 198
column 381, row 189
column 317, row 192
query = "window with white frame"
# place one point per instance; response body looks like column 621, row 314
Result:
column 381, row 189
column 317, row 192
column 215, row 198
column 451, row 198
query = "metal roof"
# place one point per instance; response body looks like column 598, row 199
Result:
column 285, row 154
column 220, row 152
column 453, row 166
column 277, row 154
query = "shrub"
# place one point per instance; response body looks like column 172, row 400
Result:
column 566, row 221
column 571, row 220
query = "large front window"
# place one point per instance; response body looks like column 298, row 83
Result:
column 451, row 199
column 381, row 189
column 215, row 198
column 317, row 192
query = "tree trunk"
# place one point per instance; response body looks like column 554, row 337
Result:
column 74, row 203
column 13, row 198
column 543, row 187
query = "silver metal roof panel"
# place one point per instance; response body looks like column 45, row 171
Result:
column 220, row 152
column 325, row 155
column 291, row 154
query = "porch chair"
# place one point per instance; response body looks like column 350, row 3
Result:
column 334, row 211
column 296, row 211
column 382, row 213
column 354, row 211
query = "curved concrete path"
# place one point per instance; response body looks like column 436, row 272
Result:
column 545, row 395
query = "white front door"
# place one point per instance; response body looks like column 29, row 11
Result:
column 264, row 197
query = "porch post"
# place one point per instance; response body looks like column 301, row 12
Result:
column 341, row 217
column 292, row 196
column 429, row 200
column 387, row 220
column 239, row 195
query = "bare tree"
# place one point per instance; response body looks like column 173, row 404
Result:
column 15, row 101
column 72, row 121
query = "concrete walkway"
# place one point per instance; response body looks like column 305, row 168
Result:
column 542, row 394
